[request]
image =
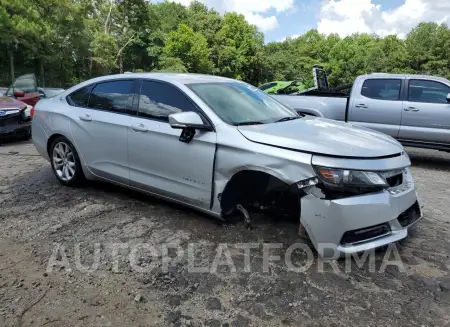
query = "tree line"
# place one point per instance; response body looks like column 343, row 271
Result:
column 68, row 41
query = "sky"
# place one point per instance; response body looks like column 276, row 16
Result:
column 279, row 19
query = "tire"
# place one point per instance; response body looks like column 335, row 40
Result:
column 25, row 136
column 65, row 162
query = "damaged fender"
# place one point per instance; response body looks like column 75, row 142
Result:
column 285, row 165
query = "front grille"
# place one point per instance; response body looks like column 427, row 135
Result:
column 10, row 120
column 410, row 215
column 365, row 234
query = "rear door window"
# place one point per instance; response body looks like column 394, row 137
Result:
column 159, row 100
column 382, row 89
column 114, row 96
column 427, row 91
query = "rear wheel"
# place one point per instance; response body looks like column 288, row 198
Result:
column 65, row 162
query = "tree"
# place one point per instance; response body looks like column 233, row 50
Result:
column 428, row 46
column 191, row 48
column 68, row 41
column 20, row 23
column 238, row 48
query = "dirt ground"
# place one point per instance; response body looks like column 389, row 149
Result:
column 38, row 215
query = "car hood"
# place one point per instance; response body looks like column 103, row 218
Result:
column 11, row 103
column 323, row 136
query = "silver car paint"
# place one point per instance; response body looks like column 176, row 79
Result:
column 381, row 115
column 101, row 138
column 430, row 122
column 326, row 107
column 159, row 149
column 426, row 124
column 325, row 136
column 195, row 174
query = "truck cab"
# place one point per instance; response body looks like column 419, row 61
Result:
column 415, row 109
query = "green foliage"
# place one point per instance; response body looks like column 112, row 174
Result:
column 172, row 65
column 104, row 48
column 68, row 41
column 191, row 48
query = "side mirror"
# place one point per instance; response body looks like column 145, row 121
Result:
column 187, row 119
column 19, row 94
column 188, row 122
column 448, row 97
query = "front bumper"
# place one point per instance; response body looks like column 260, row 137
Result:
column 360, row 223
column 15, row 129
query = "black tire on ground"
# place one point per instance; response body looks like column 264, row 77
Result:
column 78, row 177
column 26, row 135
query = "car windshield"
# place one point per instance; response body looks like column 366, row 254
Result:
column 238, row 103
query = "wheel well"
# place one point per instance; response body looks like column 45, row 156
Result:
column 258, row 190
column 50, row 141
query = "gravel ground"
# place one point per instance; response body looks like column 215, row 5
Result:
column 38, row 216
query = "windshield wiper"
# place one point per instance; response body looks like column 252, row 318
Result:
column 244, row 123
column 287, row 119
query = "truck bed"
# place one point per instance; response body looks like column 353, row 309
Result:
column 332, row 106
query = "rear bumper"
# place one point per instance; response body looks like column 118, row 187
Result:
column 360, row 223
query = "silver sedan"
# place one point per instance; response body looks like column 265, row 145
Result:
column 224, row 147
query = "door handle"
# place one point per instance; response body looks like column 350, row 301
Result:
column 411, row 109
column 139, row 128
column 85, row 118
column 361, row 105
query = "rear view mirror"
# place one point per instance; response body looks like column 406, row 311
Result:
column 19, row 94
column 448, row 97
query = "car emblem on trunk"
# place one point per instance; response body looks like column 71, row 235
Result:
column 2, row 113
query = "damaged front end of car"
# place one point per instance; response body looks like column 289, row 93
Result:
column 347, row 211
column 346, row 204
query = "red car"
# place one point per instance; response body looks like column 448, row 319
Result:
column 24, row 88
column 15, row 117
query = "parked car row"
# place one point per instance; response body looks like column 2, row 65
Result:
column 17, row 105
column 15, row 118
column 226, row 148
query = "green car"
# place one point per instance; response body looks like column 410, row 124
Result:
column 282, row 87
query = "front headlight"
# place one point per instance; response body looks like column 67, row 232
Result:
column 27, row 111
column 350, row 180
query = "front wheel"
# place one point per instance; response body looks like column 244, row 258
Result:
column 65, row 162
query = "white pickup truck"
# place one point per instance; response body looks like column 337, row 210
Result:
column 414, row 109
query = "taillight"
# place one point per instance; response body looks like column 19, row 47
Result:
column 32, row 112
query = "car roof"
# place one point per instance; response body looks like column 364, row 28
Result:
column 407, row 76
column 183, row 78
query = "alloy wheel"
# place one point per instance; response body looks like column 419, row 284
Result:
column 64, row 161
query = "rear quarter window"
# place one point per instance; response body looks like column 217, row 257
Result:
column 80, row 98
